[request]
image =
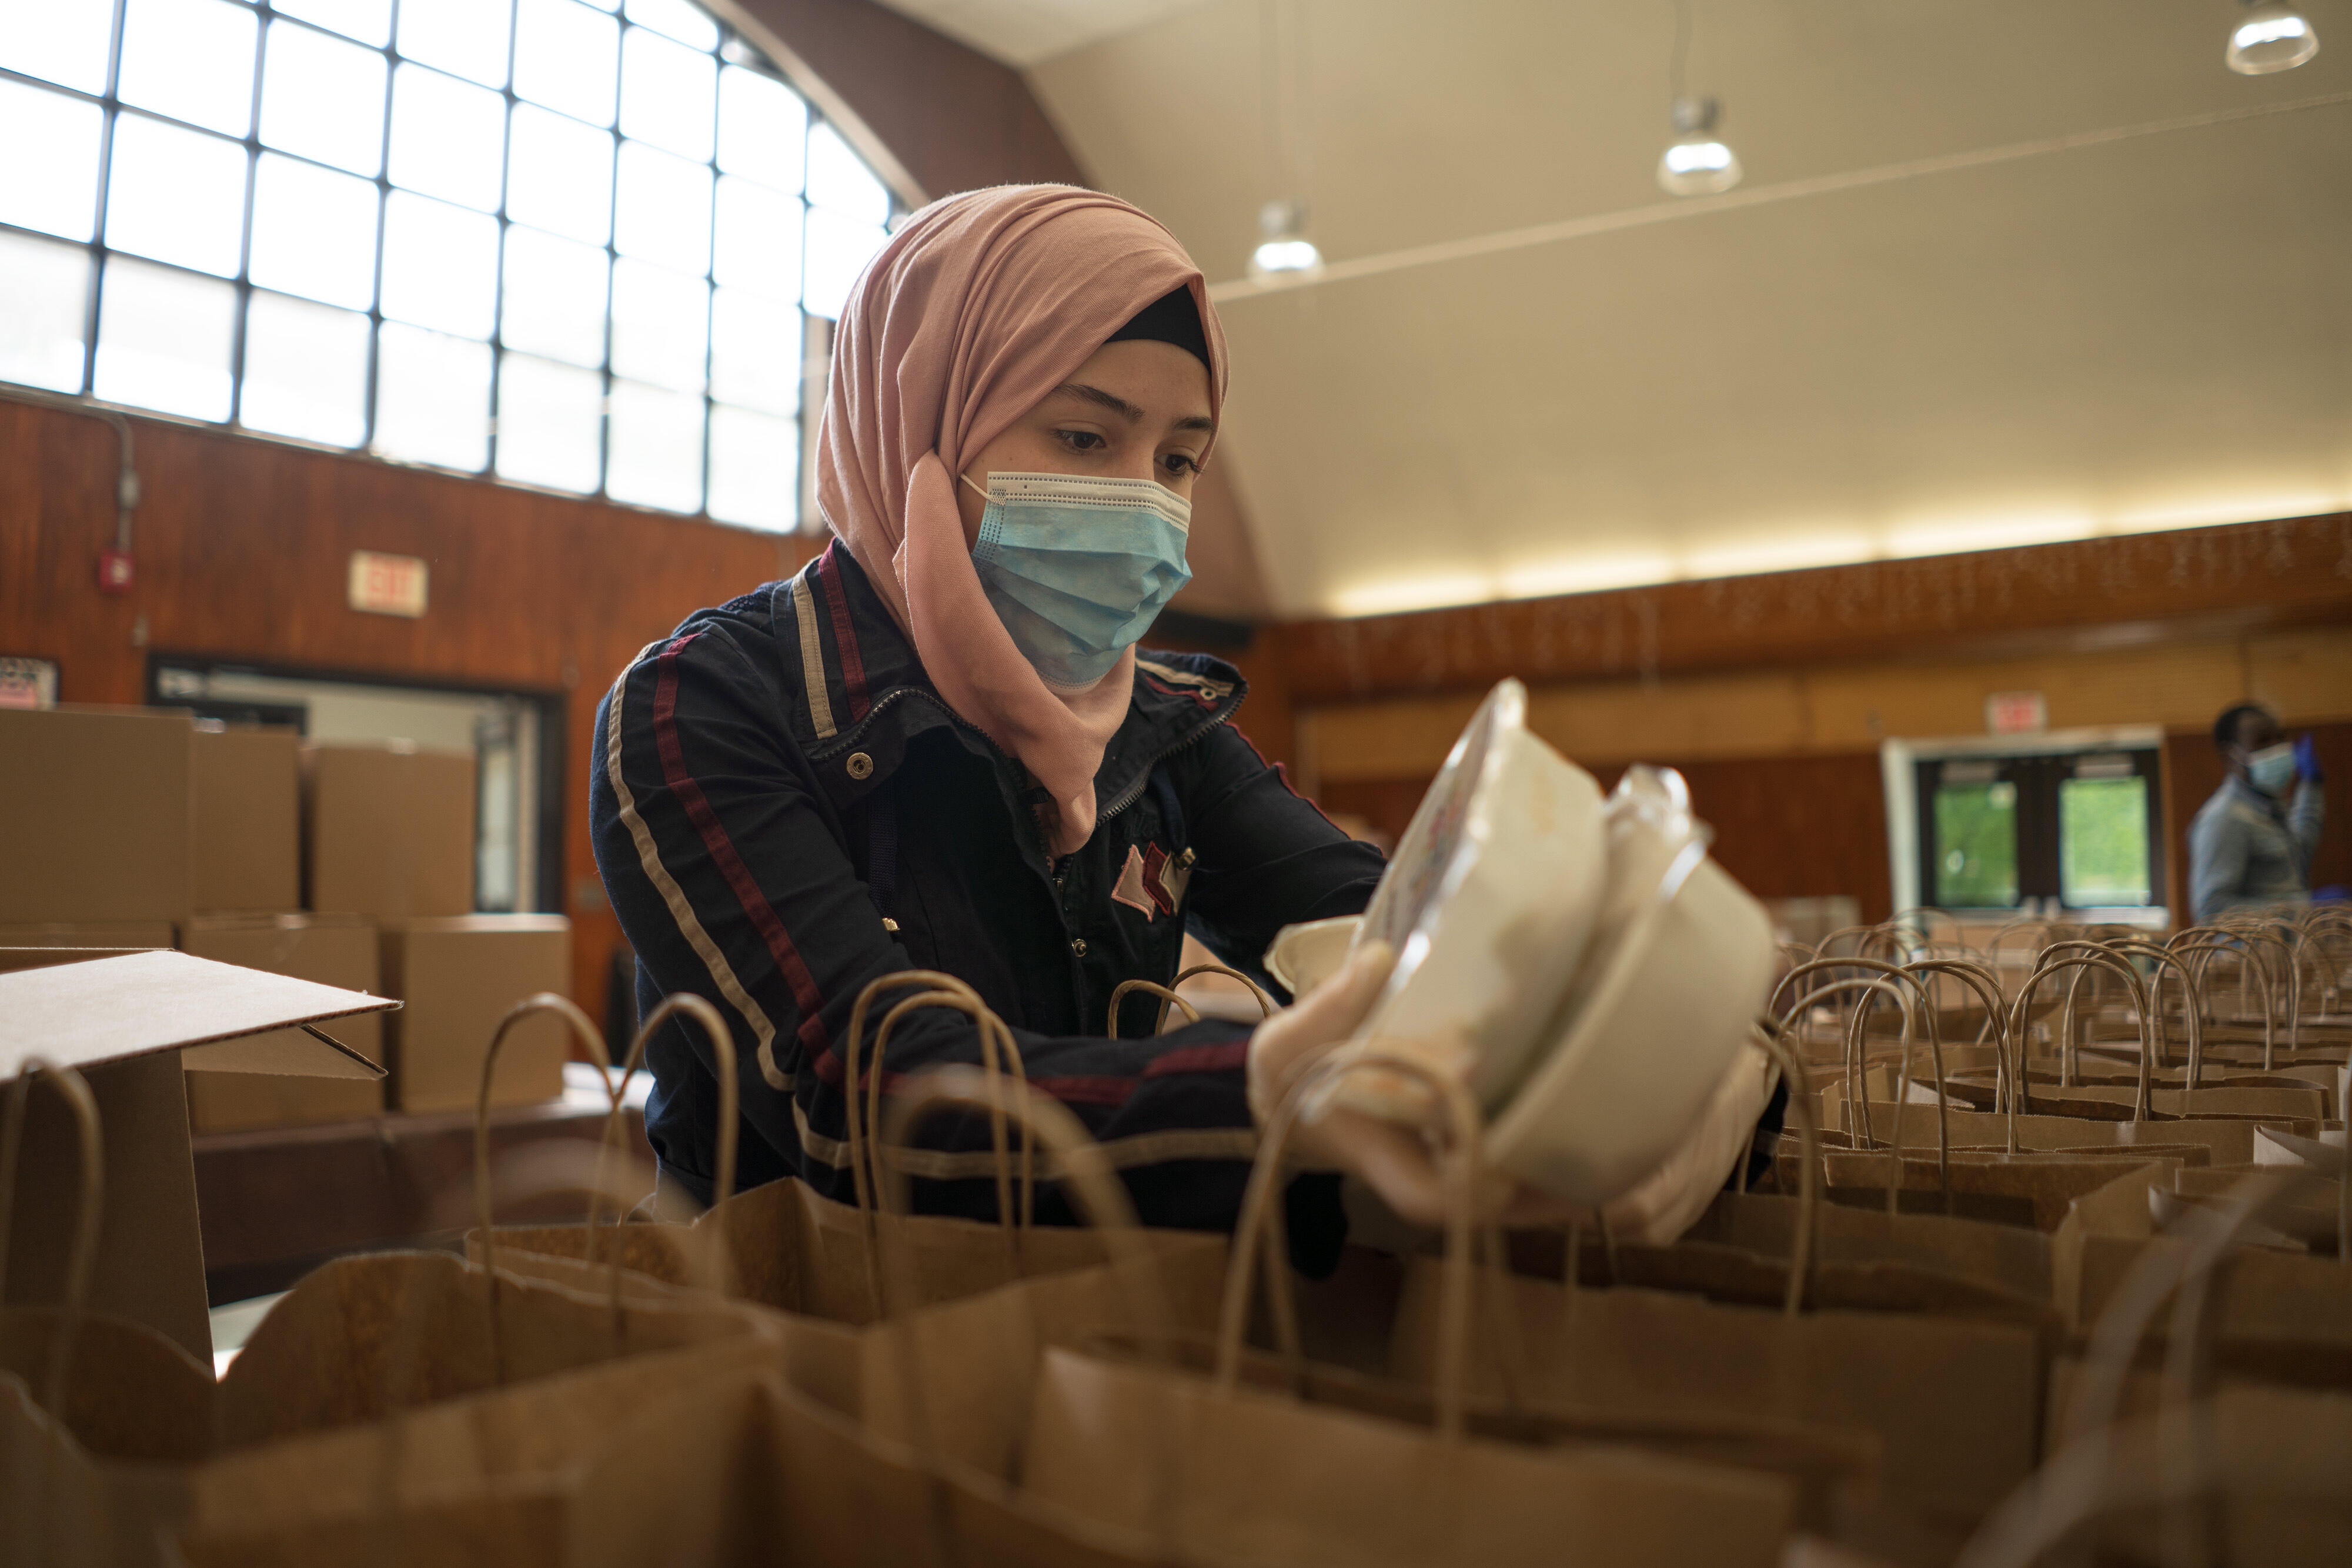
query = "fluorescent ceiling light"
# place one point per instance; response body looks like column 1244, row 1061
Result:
column 1997, row 531
column 1427, row 591
column 1585, row 574
column 2204, row 514
column 1738, row 558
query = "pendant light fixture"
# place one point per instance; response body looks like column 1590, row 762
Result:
column 1283, row 248
column 1696, row 163
column 1285, row 252
column 2270, row 37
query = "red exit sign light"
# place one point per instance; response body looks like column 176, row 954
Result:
column 387, row 584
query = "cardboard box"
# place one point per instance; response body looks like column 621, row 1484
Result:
column 455, row 977
column 337, row 950
column 247, row 784
column 388, row 830
column 96, row 803
column 131, row 1024
column 123, row 935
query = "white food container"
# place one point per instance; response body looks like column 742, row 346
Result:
column 1489, row 898
column 1675, row 975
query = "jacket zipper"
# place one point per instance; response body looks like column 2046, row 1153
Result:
column 1128, row 796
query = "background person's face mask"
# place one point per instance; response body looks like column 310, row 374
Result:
column 2272, row 768
column 1078, row 568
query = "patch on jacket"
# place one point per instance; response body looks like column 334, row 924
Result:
column 1130, row 889
column 1165, row 877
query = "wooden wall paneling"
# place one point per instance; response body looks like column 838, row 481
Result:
column 242, row 550
column 2177, row 685
column 1786, row 827
column 2306, row 674
column 2058, row 597
column 1726, row 715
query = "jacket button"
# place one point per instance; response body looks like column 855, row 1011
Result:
column 861, row 766
column 1077, row 946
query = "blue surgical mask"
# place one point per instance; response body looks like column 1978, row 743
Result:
column 1078, row 568
column 2272, row 768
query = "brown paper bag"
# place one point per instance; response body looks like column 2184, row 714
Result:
column 784, row 1247
column 365, row 1336
column 2033, row 1191
column 2184, row 1463
column 1953, row 1402
column 1055, row 1426
column 90, row 1464
column 2231, row 1141
column 2282, row 1315
column 1213, row 1465
column 61, row 1507
column 1249, row 1476
column 631, row 1462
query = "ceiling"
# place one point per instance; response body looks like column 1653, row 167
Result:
column 2150, row 331
column 1024, row 32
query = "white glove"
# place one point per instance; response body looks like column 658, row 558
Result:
column 1665, row 1202
column 1393, row 1160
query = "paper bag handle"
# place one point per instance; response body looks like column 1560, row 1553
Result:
column 584, row 1033
column 2254, row 928
column 1856, row 1058
column 2205, row 949
column 682, row 1004
column 2192, row 996
column 1810, row 1161
column 998, row 1056
column 1167, row 996
column 81, row 1263
column 862, row 1179
column 1086, row 1171
column 2096, row 957
column 1906, row 990
column 1266, row 1006
column 1459, row 1171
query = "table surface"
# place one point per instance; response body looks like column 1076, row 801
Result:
column 275, row 1203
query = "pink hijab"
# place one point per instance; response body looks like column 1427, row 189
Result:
column 978, row 308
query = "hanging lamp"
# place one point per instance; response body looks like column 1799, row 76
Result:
column 2270, row 37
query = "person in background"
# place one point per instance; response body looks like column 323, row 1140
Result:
column 2250, row 844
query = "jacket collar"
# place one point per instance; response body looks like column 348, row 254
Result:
column 860, row 688
column 2244, row 794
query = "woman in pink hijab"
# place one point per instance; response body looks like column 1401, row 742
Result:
column 939, row 746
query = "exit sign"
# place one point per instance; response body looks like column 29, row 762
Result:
column 2016, row 713
column 387, row 584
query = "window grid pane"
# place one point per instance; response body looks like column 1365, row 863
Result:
column 646, row 130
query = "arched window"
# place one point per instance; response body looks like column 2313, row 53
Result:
column 566, row 243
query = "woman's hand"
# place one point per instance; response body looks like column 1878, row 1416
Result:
column 1665, row 1203
column 1394, row 1161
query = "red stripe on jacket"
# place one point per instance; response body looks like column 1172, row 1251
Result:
column 845, row 636
column 755, row 905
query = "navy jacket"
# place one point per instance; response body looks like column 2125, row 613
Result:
column 778, row 777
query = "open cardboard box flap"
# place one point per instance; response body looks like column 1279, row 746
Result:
column 107, row 1010
column 123, row 1019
